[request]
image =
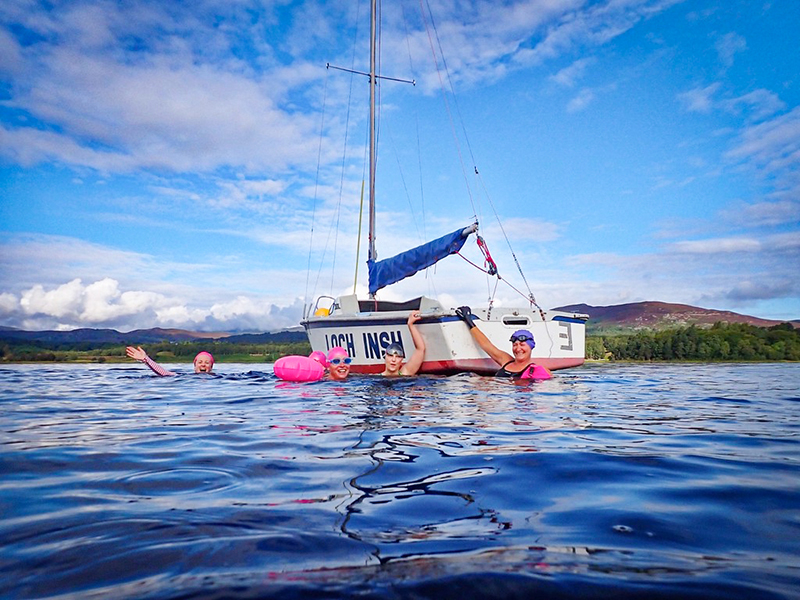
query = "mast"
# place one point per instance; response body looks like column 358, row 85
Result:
column 373, row 82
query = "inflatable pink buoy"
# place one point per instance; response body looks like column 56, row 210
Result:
column 537, row 372
column 298, row 368
column 320, row 357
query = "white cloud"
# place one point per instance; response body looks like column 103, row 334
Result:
column 11, row 52
column 699, row 99
column 758, row 104
column 190, row 118
column 569, row 76
column 581, row 101
column 123, row 87
column 65, row 300
column 178, row 315
column 103, row 304
column 761, row 290
column 139, row 291
column 772, row 146
column 718, row 246
column 765, row 214
column 120, row 87
column 8, row 303
column 728, row 46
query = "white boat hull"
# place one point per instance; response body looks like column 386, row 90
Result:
column 560, row 337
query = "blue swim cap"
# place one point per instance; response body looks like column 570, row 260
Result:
column 523, row 335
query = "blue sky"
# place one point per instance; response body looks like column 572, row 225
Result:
column 195, row 165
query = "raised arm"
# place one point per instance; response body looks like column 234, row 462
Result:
column 497, row 355
column 415, row 362
column 140, row 355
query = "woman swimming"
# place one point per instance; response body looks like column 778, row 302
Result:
column 203, row 362
column 518, row 364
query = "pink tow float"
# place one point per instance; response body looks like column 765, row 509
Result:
column 298, row 368
column 536, row 372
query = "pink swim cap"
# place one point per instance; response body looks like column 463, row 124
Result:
column 208, row 354
column 319, row 356
column 337, row 351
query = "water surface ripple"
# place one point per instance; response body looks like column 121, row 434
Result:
column 608, row 481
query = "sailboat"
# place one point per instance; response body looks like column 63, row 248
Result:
column 366, row 327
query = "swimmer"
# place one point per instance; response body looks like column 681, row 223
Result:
column 338, row 363
column 203, row 362
column 516, row 364
column 394, row 353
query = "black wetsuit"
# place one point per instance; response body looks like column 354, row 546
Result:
column 503, row 372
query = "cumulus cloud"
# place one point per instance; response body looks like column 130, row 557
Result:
column 104, row 303
column 154, row 128
column 200, row 105
column 228, row 130
column 79, row 69
column 59, row 302
column 8, row 303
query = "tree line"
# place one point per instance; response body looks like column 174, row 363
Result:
column 27, row 351
column 722, row 341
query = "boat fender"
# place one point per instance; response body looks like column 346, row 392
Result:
column 298, row 368
column 536, row 372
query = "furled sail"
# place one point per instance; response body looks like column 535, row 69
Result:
column 391, row 270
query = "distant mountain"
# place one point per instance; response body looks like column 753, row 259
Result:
column 659, row 315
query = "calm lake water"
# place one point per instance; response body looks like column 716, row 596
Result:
column 608, row 481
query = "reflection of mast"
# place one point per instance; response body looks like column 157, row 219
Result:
column 364, row 496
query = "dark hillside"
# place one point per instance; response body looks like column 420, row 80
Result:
column 659, row 316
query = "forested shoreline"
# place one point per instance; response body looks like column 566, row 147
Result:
column 167, row 352
column 721, row 342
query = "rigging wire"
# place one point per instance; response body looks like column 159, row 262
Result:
column 344, row 152
column 358, row 236
column 530, row 297
column 444, row 93
column 334, row 223
column 314, row 201
column 416, row 121
column 432, row 32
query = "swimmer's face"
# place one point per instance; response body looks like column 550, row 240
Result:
column 202, row 364
column 393, row 363
column 338, row 368
column 521, row 350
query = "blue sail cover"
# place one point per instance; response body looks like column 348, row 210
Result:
column 391, row 270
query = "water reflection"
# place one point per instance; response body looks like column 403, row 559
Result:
column 397, row 500
column 629, row 475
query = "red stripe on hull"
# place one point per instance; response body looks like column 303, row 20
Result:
column 477, row 365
